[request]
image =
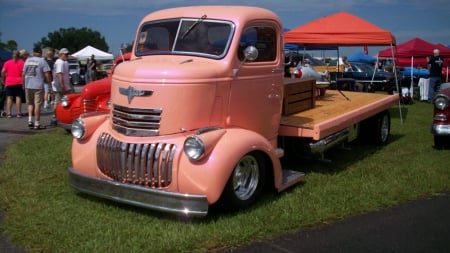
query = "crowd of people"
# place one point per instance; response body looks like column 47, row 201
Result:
column 38, row 81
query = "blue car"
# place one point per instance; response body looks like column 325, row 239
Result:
column 373, row 80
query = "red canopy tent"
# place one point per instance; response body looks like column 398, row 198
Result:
column 340, row 29
column 414, row 52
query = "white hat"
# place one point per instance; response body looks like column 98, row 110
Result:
column 63, row 51
column 436, row 51
column 23, row 52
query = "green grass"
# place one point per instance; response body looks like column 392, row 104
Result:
column 43, row 214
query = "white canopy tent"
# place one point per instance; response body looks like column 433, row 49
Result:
column 88, row 51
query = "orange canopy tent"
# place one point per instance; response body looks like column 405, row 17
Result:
column 340, row 29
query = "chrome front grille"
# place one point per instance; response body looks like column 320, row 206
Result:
column 148, row 165
column 89, row 105
column 136, row 121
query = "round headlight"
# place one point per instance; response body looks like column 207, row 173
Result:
column 65, row 101
column 78, row 129
column 441, row 102
column 194, row 148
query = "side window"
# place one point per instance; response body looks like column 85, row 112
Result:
column 264, row 38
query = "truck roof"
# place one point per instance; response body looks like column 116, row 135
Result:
column 236, row 14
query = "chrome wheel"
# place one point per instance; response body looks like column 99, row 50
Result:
column 245, row 177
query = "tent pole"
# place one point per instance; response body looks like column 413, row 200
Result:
column 412, row 78
column 396, row 84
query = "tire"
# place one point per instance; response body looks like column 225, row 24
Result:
column 246, row 182
column 376, row 130
column 441, row 141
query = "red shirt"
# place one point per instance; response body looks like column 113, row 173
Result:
column 13, row 70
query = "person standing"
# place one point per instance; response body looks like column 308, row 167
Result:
column 61, row 79
column 92, row 68
column 49, row 58
column 35, row 70
column 12, row 78
column 435, row 64
column 24, row 54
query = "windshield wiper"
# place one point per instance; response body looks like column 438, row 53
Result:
column 192, row 26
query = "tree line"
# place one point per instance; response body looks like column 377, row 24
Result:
column 71, row 38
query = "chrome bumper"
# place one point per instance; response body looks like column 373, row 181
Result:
column 440, row 129
column 159, row 200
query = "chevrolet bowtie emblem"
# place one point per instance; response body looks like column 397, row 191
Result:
column 130, row 92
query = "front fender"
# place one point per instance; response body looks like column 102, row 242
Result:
column 68, row 114
column 210, row 175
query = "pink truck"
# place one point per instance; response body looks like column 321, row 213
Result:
column 202, row 114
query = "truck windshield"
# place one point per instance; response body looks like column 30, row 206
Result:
column 201, row 37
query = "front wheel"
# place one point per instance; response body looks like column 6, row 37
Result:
column 441, row 141
column 246, row 182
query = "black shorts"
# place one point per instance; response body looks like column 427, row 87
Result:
column 14, row 91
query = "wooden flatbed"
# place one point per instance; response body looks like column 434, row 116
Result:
column 334, row 112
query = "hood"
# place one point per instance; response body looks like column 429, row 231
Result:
column 96, row 88
column 181, row 91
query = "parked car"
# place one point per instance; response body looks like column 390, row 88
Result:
column 94, row 97
column 363, row 73
column 296, row 58
column 441, row 117
column 74, row 71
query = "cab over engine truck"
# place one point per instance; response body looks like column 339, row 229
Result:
column 201, row 112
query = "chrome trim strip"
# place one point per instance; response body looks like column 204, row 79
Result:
column 159, row 200
column 321, row 145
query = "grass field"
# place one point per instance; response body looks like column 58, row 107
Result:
column 43, row 214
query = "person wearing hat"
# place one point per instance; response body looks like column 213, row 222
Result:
column 35, row 71
column 435, row 64
column 12, row 78
column 61, row 79
column 24, row 54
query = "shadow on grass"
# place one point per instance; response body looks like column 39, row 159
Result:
column 336, row 159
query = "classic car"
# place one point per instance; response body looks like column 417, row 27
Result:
column 74, row 71
column 441, row 117
column 94, row 97
column 373, row 80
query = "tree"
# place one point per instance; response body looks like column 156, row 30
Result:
column 73, row 39
column 10, row 44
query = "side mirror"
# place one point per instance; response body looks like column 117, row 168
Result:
column 250, row 53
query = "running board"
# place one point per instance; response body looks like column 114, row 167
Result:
column 290, row 178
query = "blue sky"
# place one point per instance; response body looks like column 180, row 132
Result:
column 27, row 21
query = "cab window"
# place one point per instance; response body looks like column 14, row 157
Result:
column 263, row 38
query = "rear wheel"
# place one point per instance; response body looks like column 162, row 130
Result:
column 246, row 182
column 376, row 130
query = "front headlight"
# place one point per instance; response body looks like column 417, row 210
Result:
column 194, row 148
column 78, row 129
column 65, row 101
column 441, row 102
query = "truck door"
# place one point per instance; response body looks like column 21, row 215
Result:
column 256, row 91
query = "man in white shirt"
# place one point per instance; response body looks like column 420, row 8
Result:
column 61, row 80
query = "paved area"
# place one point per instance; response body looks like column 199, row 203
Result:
column 416, row 227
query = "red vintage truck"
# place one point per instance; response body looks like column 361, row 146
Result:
column 202, row 114
column 94, row 97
